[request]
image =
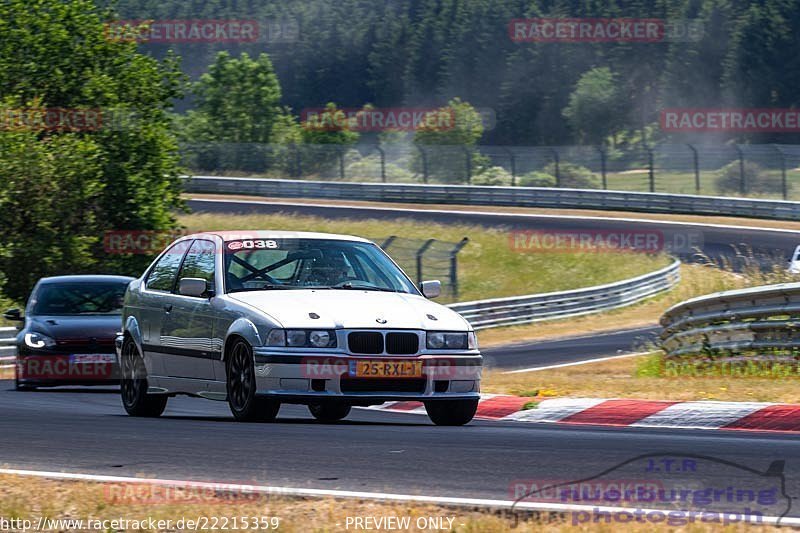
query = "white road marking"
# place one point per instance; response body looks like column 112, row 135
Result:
column 576, row 363
column 555, row 410
column 378, row 496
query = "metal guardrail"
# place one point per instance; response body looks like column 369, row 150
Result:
column 537, row 307
column 7, row 348
column 759, row 318
column 499, row 196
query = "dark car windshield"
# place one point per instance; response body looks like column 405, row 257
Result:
column 263, row 264
column 79, row 298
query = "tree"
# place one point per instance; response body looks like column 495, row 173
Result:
column 63, row 186
column 595, row 107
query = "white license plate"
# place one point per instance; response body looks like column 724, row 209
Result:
column 92, row 358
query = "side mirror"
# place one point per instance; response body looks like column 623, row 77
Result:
column 196, row 287
column 13, row 315
column 431, row 289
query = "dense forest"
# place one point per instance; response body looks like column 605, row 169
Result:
column 426, row 52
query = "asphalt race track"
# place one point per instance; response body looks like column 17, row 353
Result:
column 87, row 431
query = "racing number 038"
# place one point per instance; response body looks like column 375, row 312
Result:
column 256, row 244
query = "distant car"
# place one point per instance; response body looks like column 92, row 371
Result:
column 261, row 318
column 794, row 261
column 68, row 331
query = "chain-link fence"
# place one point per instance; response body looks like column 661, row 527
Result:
column 425, row 259
column 768, row 171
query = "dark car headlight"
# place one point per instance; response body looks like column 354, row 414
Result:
column 302, row 338
column 38, row 341
column 444, row 340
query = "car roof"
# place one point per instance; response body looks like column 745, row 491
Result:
column 235, row 235
column 85, row 278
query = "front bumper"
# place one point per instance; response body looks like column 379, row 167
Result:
column 312, row 378
column 54, row 369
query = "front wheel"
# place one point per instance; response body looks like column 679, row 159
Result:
column 241, row 387
column 329, row 412
column 133, row 386
column 451, row 412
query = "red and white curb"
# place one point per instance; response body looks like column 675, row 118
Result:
column 750, row 416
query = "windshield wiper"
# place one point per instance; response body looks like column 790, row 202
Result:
column 266, row 287
column 363, row 287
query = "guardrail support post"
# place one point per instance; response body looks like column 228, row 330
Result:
column 424, row 163
column 696, row 165
column 298, row 170
column 650, row 171
column 454, row 266
column 742, row 179
column 419, row 255
column 557, row 164
column 383, row 162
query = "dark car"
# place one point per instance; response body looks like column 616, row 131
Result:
column 68, row 334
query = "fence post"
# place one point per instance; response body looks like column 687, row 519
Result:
column 784, row 185
column 298, row 170
column 388, row 242
column 556, row 162
column 513, row 161
column 420, row 253
column 603, row 167
column 650, row 171
column 340, row 150
column 696, row 165
column 383, row 162
column 424, row 163
column 454, row 266
column 468, row 162
column 742, row 179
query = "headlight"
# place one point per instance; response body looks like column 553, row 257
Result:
column 302, row 338
column 37, row 340
column 441, row 340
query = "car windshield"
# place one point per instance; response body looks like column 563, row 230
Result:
column 264, row 264
column 87, row 298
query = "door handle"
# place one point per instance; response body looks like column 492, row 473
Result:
column 167, row 307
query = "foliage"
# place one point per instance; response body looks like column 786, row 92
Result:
column 493, row 176
column 596, row 106
column 62, row 188
column 756, row 179
column 573, row 176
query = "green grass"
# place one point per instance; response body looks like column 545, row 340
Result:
column 487, row 266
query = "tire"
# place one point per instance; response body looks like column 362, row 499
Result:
column 133, row 385
column 241, row 386
column 451, row 412
column 329, row 412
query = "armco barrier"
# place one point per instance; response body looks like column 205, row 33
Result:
column 759, row 318
column 536, row 307
column 499, row 196
column 7, row 348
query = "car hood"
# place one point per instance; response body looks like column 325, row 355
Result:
column 100, row 327
column 351, row 309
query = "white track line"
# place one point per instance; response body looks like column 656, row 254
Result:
column 377, row 496
column 502, row 214
column 576, row 363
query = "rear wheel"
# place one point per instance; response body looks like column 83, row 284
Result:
column 451, row 412
column 241, row 386
column 133, row 386
column 329, row 412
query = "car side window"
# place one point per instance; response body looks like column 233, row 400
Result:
column 163, row 275
column 199, row 262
